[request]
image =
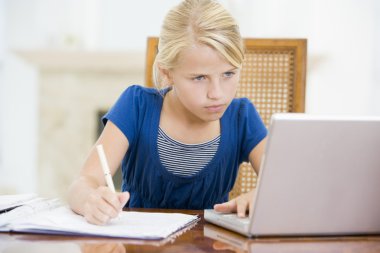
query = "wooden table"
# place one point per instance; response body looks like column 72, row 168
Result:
column 203, row 237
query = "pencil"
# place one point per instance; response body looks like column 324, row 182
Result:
column 105, row 167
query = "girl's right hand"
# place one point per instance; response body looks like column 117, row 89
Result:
column 102, row 205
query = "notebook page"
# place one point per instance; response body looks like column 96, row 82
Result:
column 9, row 201
column 28, row 209
column 141, row 225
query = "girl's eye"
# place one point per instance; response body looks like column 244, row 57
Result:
column 229, row 74
column 199, row 78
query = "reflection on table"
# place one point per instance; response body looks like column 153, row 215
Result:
column 233, row 242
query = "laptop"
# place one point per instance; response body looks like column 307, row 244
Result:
column 320, row 176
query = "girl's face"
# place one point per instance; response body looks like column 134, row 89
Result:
column 204, row 83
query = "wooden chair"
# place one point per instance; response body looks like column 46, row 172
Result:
column 273, row 77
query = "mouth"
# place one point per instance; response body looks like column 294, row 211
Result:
column 215, row 108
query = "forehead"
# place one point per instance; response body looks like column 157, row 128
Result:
column 201, row 58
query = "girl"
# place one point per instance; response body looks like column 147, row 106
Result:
column 180, row 145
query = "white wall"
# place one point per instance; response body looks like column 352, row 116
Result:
column 126, row 25
column 19, row 105
column 344, row 43
column 19, row 126
column 2, row 21
column 85, row 24
column 341, row 45
column 376, row 86
column 343, row 61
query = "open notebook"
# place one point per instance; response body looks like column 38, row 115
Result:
column 9, row 202
column 51, row 217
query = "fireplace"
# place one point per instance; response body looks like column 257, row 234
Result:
column 74, row 89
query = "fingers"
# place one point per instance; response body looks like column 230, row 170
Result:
column 123, row 198
column 226, row 207
column 110, row 248
column 218, row 245
column 107, row 202
column 103, row 205
column 95, row 216
column 118, row 248
column 102, row 247
column 240, row 205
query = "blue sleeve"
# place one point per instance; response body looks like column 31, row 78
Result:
column 252, row 128
column 124, row 113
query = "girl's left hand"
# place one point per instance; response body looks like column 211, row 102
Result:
column 239, row 205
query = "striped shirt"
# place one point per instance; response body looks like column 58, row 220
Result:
column 185, row 159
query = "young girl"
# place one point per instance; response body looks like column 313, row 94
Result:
column 180, row 145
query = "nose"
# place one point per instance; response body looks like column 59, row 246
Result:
column 215, row 91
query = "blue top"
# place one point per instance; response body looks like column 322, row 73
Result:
column 137, row 114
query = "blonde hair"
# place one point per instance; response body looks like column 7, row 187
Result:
column 197, row 21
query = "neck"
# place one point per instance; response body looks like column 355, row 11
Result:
column 176, row 110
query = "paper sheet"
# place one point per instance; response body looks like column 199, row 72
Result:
column 9, row 201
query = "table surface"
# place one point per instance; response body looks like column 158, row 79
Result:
column 203, row 237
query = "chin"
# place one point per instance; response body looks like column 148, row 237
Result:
column 214, row 116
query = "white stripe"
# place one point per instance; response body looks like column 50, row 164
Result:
column 185, row 159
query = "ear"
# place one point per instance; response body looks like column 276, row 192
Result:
column 166, row 76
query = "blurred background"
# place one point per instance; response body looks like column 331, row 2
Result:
column 64, row 62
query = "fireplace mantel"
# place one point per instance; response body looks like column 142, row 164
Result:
column 75, row 60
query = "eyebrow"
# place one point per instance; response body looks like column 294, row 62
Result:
column 199, row 74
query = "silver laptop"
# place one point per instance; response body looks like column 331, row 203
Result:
column 320, row 175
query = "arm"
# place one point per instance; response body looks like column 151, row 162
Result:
column 256, row 155
column 88, row 194
column 243, row 202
